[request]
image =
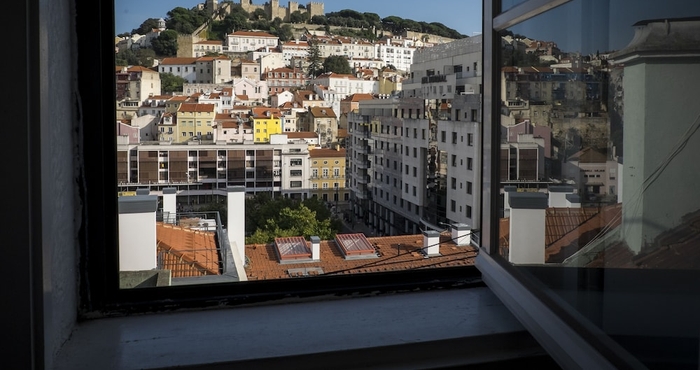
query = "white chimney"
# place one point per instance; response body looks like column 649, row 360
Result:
column 235, row 220
column 527, row 226
column 557, row 195
column 506, row 204
column 431, row 243
column 573, row 201
column 315, row 248
column 461, row 234
column 137, row 232
column 169, row 205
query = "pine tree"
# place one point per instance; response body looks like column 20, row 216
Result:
column 315, row 62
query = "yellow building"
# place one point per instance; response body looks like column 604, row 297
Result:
column 195, row 121
column 266, row 122
column 328, row 175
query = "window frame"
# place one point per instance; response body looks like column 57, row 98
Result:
column 99, row 293
column 570, row 339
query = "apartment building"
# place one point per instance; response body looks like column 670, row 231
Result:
column 266, row 122
column 182, row 67
column 258, row 167
column 328, row 176
column 245, row 41
column 284, row 79
column 202, row 48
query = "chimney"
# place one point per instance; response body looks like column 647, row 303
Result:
column 506, row 195
column 461, row 234
column 315, row 248
column 235, row 220
column 169, row 205
column 137, row 232
column 527, row 226
column 431, row 243
column 557, row 195
column 573, row 201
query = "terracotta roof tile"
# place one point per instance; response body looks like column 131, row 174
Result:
column 186, row 252
column 395, row 253
column 320, row 153
column 178, row 61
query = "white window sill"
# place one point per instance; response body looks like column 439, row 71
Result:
column 304, row 330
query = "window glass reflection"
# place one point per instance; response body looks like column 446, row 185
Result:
column 507, row 4
column 599, row 121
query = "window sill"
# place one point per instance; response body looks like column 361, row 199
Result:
column 433, row 329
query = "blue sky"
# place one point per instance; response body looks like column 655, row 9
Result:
column 462, row 15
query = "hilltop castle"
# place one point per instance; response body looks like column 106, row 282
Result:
column 272, row 8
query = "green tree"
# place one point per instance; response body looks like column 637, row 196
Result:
column 258, row 14
column 284, row 32
column 165, row 44
column 298, row 17
column 314, row 56
column 169, row 83
column 318, row 19
column 139, row 57
column 185, row 20
column 300, row 221
column 337, row 64
column 146, row 27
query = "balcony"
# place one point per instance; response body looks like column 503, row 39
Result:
column 434, row 78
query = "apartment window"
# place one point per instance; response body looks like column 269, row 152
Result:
column 469, row 212
column 406, row 166
column 470, row 163
column 443, row 136
column 454, row 138
column 295, row 173
column 295, row 162
column 454, row 160
column 415, row 172
column 415, row 152
column 453, row 205
column 453, row 182
column 414, row 191
column 470, row 139
column 469, row 187
column 295, row 184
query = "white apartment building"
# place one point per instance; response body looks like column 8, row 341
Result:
column 201, row 48
column 446, row 70
column 459, row 137
column 181, row 67
column 294, row 49
column 245, row 41
column 413, row 161
column 255, row 90
column 396, row 52
column 334, row 87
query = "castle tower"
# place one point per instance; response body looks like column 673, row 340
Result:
column 315, row 8
column 211, row 7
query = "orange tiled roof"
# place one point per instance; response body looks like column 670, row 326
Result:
column 323, row 112
column 195, row 107
column 186, row 252
column 178, row 61
column 301, row 135
column 321, row 153
column 675, row 248
column 569, row 229
column 395, row 253
column 252, row 34
column 210, row 42
column 358, row 97
column 262, row 112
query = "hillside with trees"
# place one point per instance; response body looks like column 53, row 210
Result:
column 352, row 23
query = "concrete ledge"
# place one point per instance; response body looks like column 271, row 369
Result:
column 305, row 332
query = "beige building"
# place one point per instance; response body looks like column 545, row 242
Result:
column 202, row 48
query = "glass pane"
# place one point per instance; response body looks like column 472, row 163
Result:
column 598, row 166
column 226, row 174
column 507, row 4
